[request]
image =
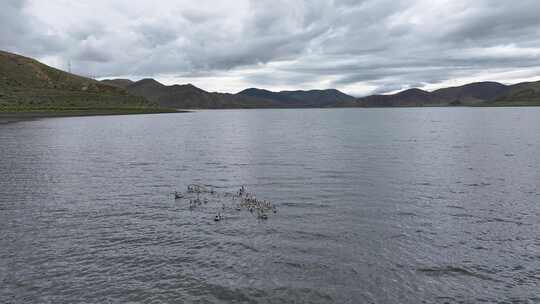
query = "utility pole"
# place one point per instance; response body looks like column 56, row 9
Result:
column 69, row 66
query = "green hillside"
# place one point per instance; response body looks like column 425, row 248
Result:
column 474, row 94
column 27, row 85
column 521, row 94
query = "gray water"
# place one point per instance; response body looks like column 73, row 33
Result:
column 428, row 205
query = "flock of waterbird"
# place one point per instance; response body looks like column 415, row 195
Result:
column 199, row 196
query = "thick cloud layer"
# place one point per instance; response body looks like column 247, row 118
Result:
column 360, row 47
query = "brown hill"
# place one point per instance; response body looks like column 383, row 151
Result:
column 407, row 98
column 300, row 98
column 473, row 94
column 189, row 96
column 28, row 85
column 521, row 94
column 470, row 94
column 121, row 83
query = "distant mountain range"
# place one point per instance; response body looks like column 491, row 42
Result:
column 28, row 85
column 188, row 96
column 474, row 94
column 311, row 98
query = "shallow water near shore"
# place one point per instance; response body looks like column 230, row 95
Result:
column 410, row 205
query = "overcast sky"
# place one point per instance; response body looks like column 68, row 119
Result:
column 357, row 46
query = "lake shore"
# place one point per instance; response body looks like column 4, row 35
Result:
column 7, row 116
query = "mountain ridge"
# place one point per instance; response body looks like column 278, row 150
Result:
column 27, row 85
column 487, row 93
column 472, row 94
column 188, row 96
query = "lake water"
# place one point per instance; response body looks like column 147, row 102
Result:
column 428, row 205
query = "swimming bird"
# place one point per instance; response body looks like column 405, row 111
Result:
column 261, row 215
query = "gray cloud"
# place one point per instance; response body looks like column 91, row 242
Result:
column 20, row 32
column 358, row 46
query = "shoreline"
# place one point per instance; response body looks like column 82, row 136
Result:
column 369, row 107
column 10, row 117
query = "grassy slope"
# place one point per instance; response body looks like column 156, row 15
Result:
column 27, row 85
column 475, row 94
column 522, row 94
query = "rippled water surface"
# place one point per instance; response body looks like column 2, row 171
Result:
column 374, row 206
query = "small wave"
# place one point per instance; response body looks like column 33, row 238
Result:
column 158, row 186
column 305, row 235
column 137, row 164
column 478, row 185
column 292, row 264
column 461, row 215
column 305, row 205
column 451, row 271
column 480, row 248
column 241, row 246
column 398, row 236
column 405, row 213
column 500, row 220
